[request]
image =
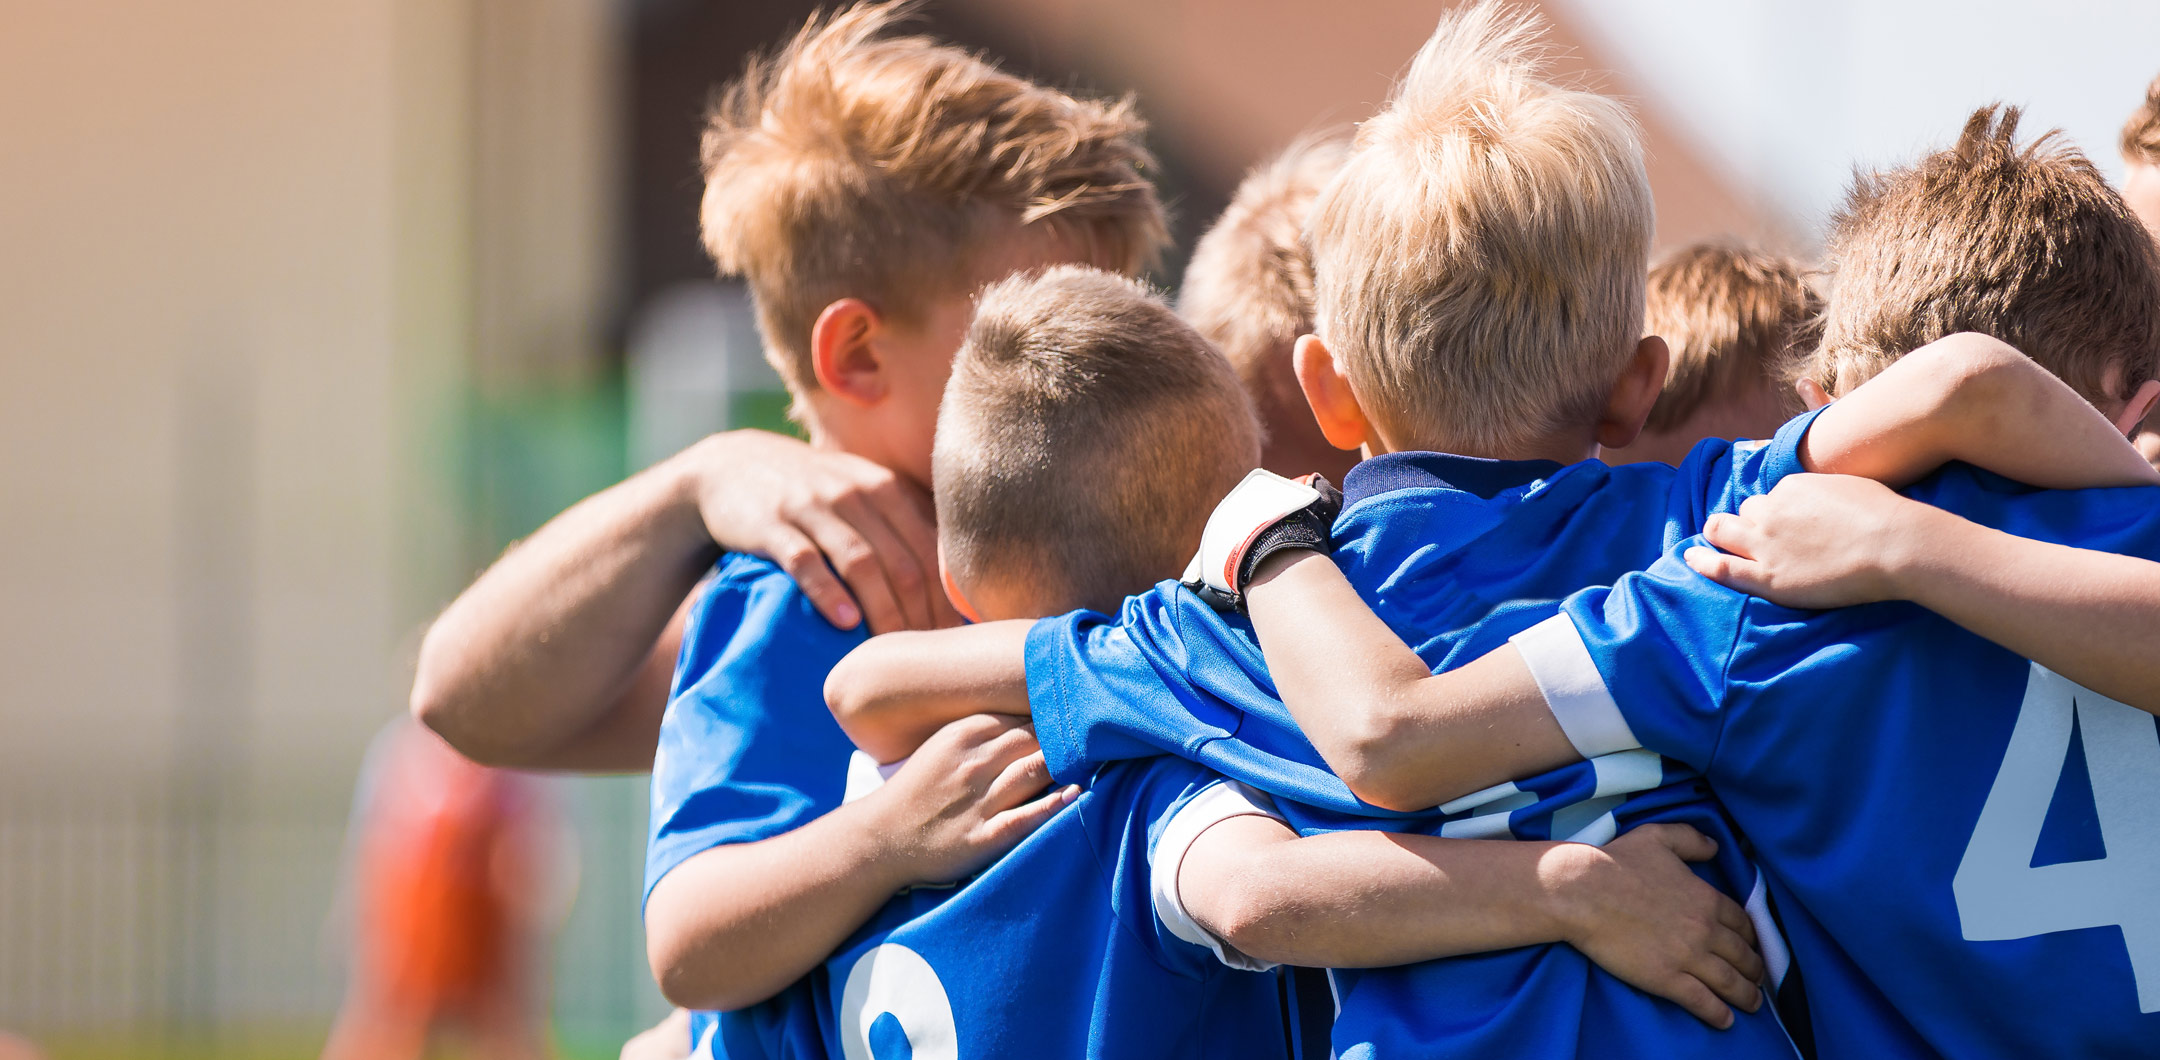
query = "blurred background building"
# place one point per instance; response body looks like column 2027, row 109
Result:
column 307, row 309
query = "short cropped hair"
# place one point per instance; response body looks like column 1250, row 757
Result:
column 1249, row 286
column 854, row 164
column 1732, row 315
column 1481, row 258
column 1085, row 435
column 2027, row 244
column 2141, row 134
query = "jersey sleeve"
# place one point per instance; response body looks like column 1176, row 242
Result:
column 747, row 749
column 1103, row 690
column 1640, row 664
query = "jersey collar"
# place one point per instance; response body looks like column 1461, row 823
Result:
column 1470, row 474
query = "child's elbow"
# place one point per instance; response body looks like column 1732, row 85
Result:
column 1374, row 764
column 844, row 691
column 687, row 982
column 1971, row 367
column 1254, row 919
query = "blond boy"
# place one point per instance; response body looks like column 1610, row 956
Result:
column 1731, row 316
column 1249, row 290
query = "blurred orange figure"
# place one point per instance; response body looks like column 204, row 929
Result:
column 454, row 884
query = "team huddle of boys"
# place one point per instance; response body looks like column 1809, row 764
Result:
column 1529, row 742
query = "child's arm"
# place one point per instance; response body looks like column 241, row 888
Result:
column 733, row 925
column 1401, row 736
column 891, row 693
column 1367, row 899
column 1405, row 738
column 1821, row 541
column 1975, row 399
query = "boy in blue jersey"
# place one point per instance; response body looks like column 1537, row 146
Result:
column 1958, row 831
column 850, row 180
column 1053, row 493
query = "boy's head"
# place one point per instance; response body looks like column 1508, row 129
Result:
column 2141, row 160
column 1730, row 316
column 2024, row 243
column 1249, row 290
column 865, row 186
column 1086, row 434
column 1479, row 262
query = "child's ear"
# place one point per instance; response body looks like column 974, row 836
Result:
column 1811, row 393
column 2140, row 406
column 1634, row 393
column 1334, row 405
column 953, row 595
column 844, row 354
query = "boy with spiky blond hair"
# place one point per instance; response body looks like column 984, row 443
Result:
column 1249, row 290
column 865, row 185
column 1732, row 317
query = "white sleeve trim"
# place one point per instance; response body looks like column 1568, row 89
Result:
column 1560, row 663
column 1215, row 804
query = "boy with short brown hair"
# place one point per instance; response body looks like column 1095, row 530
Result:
column 1974, row 239
column 866, row 186
column 1731, row 316
column 1249, row 290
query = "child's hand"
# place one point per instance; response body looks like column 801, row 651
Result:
column 1816, row 541
column 825, row 517
column 965, row 798
column 1644, row 917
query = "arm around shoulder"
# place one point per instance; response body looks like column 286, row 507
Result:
column 1972, row 398
column 895, row 690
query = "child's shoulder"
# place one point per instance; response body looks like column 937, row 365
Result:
column 748, row 600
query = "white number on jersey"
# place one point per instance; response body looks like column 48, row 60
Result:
column 890, row 979
column 2001, row 895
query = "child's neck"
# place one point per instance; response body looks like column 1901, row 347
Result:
column 1560, row 447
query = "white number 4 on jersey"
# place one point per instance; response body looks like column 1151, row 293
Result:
column 2001, row 895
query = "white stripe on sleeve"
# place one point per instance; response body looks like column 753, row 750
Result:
column 1212, row 806
column 1560, row 663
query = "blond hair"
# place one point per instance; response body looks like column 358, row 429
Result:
column 1480, row 260
column 1085, row 435
column 2027, row 244
column 1249, row 286
column 853, row 164
column 2141, row 134
column 1731, row 315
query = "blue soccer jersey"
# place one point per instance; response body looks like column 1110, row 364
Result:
column 1456, row 555
column 1964, row 846
column 1073, row 944
column 748, row 751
